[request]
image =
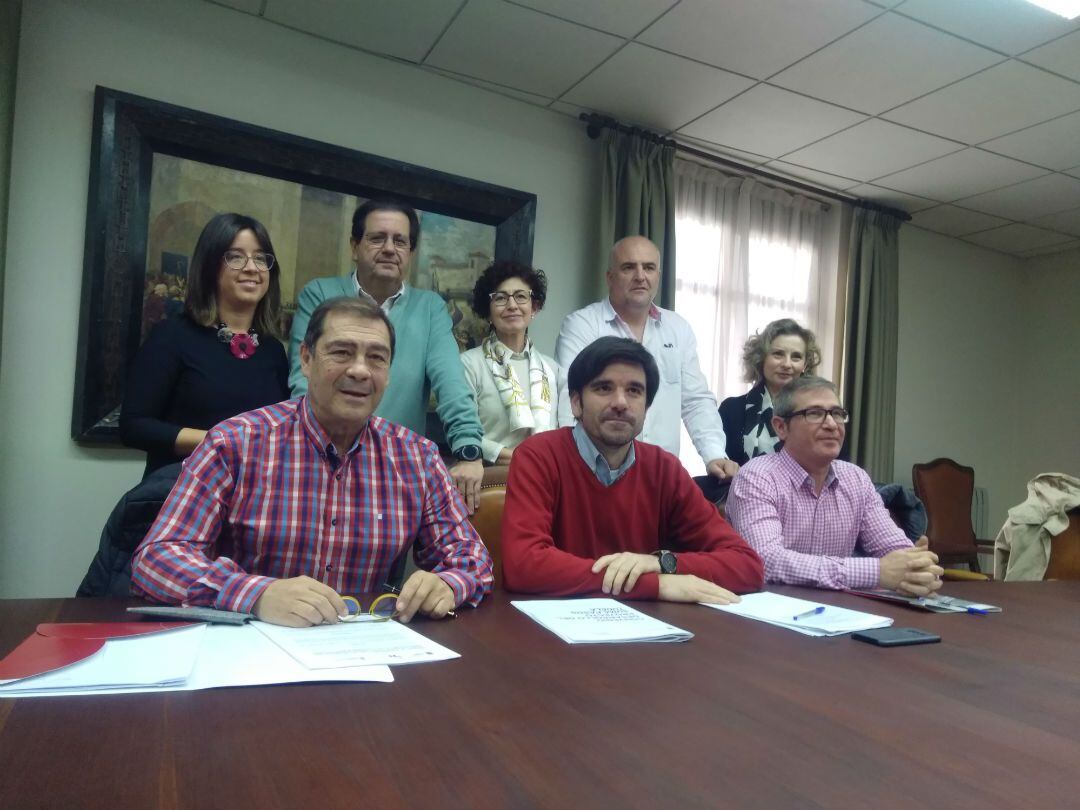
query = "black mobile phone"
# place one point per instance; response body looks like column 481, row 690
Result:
column 896, row 636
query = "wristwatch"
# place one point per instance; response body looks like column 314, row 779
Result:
column 668, row 561
column 468, row 452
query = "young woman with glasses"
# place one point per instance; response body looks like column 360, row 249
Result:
column 220, row 357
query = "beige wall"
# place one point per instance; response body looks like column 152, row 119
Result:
column 1048, row 415
column 987, row 372
column 54, row 494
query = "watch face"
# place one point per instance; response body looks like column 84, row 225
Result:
column 668, row 563
column 469, row 452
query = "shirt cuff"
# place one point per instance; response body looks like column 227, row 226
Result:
column 460, row 585
column 241, row 592
column 862, row 572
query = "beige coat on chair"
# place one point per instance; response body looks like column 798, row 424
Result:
column 1022, row 547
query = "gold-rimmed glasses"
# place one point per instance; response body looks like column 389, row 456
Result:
column 238, row 259
column 382, row 608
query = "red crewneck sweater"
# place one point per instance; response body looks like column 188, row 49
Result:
column 558, row 519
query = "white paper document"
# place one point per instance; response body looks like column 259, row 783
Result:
column 361, row 643
column 188, row 658
column 802, row 616
column 598, row 621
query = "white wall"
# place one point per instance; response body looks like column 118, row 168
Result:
column 54, row 494
column 961, row 359
column 1049, row 411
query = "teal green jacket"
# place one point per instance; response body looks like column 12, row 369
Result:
column 425, row 359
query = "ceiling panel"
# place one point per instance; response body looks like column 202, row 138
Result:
column 651, row 87
column 515, row 46
column 961, row 174
column 625, row 18
column 755, row 37
column 1026, row 201
column 771, row 121
column 509, row 92
column 953, row 221
column 995, row 102
column 1011, row 26
column 885, row 63
column 894, row 199
column 1074, row 172
column 1055, row 144
column 1016, row 238
column 402, row 28
column 1061, row 56
column 871, row 149
column 1062, row 248
column 1064, row 221
column 249, row 6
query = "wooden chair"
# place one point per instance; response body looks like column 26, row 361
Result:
column 946, row 490
column 1065, row 551
column 487, row 520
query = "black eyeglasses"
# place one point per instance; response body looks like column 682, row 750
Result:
column 237, row 260
column 815, row 416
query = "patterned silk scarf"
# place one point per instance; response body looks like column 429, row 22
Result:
column 759, row 438
column 533, row 412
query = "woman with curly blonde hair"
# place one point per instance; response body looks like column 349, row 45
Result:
column 771, row 358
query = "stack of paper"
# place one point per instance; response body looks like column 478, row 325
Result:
column 90, row 659
column 598, row 621
column 802, row 616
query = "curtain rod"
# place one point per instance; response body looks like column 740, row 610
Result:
column 595, row 123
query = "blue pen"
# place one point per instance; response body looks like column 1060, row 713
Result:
column 812, row 612
column 979, row 611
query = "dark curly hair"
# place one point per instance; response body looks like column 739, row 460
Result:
column 498, row 272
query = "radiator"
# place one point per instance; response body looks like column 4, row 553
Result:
column 980, row 513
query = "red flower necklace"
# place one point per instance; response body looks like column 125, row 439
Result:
column 241, row 344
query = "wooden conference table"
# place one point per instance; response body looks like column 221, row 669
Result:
column 744, row 715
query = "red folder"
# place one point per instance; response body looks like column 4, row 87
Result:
column 54, row 646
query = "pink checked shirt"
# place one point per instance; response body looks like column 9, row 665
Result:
column 266, row 496
column 808, row 539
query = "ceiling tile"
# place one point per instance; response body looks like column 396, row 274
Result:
column 895, row 199
column 515, row 46
column 249, row 6
column 646, row 86
column 1064, row 221
column 1061, row 56
column 405, row 29
column 961, row 174
column 823, row 179
column 1074, row 172
column 885, row 63
column 953, row 221
column 871, row 149
column 624, row 18
column 1026, row 201
column 1016, row 238
column 771, row 121
column 755, row 37
column 1006, row 25
column 1055, row 144
column 997, row 101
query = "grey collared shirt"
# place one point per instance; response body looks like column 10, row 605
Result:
column 596, row 461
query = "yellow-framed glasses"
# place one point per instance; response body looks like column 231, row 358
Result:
column 381, row 610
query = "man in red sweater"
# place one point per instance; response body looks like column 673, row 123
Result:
column 590, row 511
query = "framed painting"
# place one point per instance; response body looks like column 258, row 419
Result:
column 159, row 172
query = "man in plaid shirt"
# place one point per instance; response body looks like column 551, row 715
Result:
column 281, row 509
column 806, row 513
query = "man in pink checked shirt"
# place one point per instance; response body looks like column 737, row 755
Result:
column 281, row 509
column 805, row 513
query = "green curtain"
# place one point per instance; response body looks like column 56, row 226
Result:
column 871, row 340
column 637, row 198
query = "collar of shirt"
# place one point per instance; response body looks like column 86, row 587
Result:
column 319, row 437
column 596, row 461
column 386, row 305
column 511, row 354
column 613, row 317
column 800, row 478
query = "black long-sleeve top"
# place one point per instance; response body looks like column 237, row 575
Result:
column 183, row 376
